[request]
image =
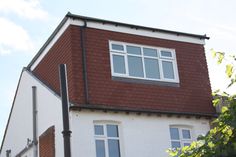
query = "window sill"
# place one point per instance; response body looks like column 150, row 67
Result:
column 143, row 81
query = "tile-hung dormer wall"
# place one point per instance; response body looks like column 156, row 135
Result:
column 130, row 68
column 174, row 79
column 66, row 50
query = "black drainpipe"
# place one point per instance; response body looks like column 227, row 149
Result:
column 84, row 61
column 65, row 111
column 34, row 110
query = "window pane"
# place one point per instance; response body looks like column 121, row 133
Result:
column 135, row 66
column 98, row 130
column 166, row 54
column 112, row 131
column 100, row 148
column 174, row 133
column 186, row 144
column 119, row 64
column 168, row 69
column 113, row 148
column 133, row 50
column 186, row 134
column 117, row 47
column 175, row 144
column 152, row 68
column 149, row 52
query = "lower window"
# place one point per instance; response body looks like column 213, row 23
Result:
column 107, row 140
column 180, row 137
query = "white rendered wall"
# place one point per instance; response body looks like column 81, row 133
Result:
column 20, row 124
column 141, row 135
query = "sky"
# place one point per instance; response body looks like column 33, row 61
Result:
column 26, row 24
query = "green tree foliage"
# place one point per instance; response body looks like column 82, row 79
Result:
column 220, row 141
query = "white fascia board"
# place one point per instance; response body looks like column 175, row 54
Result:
column 141, row 32
column 146, row 33
column 116, row 28
column 52, row 42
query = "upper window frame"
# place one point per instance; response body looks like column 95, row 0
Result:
column 160, row 58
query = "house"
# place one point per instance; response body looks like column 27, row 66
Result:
column 133, row 91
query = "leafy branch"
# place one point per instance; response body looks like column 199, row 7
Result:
column 220, row 141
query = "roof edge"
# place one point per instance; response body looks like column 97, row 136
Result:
column 148, row 111
column 74, row 16
column 48, row 41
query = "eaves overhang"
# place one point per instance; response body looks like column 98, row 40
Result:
column 116, row 109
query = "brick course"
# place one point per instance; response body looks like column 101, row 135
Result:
column 193, row 95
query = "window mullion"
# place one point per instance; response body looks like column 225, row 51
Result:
column 161, row 69
column 106, row 147
column 181, row 133
column 126, row 61
column 181, row 143
column 181, row 137
column 106, row 140
column 144, row 71
column 175, row 69
column 111, row 60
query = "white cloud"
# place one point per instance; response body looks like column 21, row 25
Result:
column 4, row 51
column 13, row 38
column 30, row 9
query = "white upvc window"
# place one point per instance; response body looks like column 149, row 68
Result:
column 143, row 62
column 180, row 136
column 107, row 140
